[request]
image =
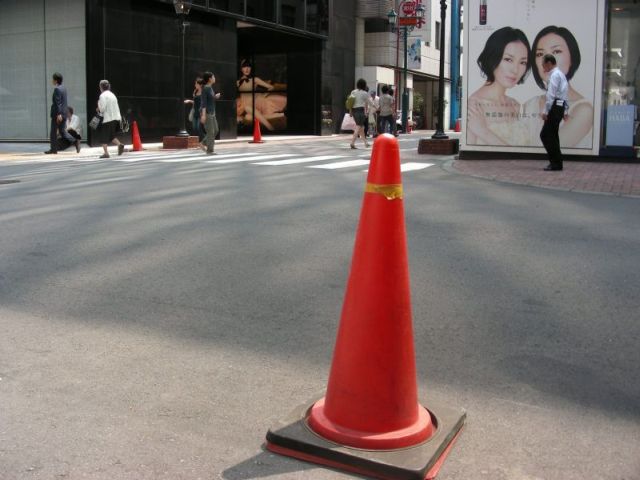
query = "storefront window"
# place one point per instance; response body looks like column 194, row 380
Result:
column 622, row 75
column 262, row 93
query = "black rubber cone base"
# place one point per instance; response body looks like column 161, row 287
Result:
column 293, row 437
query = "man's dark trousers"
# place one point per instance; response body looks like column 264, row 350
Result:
column 549, row 135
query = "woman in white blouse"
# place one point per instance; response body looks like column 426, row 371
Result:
column 361, row 105
column 110, row 111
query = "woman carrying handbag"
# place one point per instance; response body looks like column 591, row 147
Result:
column 109, row 110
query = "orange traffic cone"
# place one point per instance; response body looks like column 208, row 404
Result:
column 135, row 137
column 257, row 136
column 458, row 125
column 371, row 409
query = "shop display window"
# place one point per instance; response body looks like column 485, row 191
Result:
column 622, row 75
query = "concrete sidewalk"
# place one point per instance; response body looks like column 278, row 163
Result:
column 621, row 179
column 37, row 148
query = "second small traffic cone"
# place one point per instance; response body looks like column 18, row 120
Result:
column 257, row 136
column 371, row 400
column 458, row 127
column 135, row 137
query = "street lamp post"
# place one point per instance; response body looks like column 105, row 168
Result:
column 412, row 16
column 182, row 8
column 439, row 134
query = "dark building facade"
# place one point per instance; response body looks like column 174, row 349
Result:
column 303, row 51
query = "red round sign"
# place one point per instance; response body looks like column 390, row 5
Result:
column 409, row 8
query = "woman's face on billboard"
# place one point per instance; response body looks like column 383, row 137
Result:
column 557, row 46
column 512, row 66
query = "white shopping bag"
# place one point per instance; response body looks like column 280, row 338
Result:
column 348, row 123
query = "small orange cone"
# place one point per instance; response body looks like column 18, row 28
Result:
column 257, row 136
column 370, row 421
column 135, row 137
column 458, row 125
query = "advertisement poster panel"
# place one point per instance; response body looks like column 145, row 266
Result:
column 414, row 54
column 262, row 93
column 505, row 42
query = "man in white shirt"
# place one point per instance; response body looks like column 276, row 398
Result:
column 385, row 116
column 556, row 109
column 74, row 127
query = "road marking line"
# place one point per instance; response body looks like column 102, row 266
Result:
column 293, row 161
column 253, row 158
column 202, row 155
column 412, row 166
column 336, row 165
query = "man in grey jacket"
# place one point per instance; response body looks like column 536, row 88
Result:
column 58, row 115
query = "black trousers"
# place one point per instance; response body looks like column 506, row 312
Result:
column 383, row 121
column 63, row 143
column 53, row 134
column 549, row 135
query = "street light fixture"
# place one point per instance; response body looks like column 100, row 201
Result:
column 393, row 18
column 182, row 7
column 412, row 17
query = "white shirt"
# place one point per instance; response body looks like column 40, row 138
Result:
column 108, row 106
column 386, row 105
column 557, row 89
column 74, row 124
column 362, row 99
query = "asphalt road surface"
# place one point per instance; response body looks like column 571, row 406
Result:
column 159, row 312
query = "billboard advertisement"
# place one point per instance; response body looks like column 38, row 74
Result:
column 505, row 84
column 262, row 93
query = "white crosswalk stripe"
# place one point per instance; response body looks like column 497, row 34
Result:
column 294, row 161
column 251, row 158
column 337, row 165
column 413, row 166
column 322, row 159
column 202, row 156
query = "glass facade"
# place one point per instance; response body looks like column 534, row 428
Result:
column 622, row 75
column 311, row 16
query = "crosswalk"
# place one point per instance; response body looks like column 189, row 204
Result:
column 335, row 160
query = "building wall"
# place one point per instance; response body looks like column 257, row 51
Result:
column 338, row 62
column 136, row 45
column 38, row 38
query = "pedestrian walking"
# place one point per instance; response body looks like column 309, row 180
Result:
column 361, row 102
column 109, row 110
column 208, row 113
column 196, row 102
column 58, row 114
column 394, row 114
column 386, row 111
column 373, row 114
column 556, row 109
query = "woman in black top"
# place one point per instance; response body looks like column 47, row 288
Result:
column 198, row 128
